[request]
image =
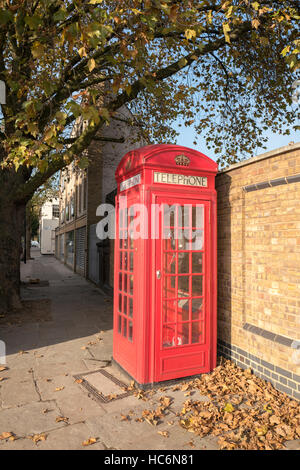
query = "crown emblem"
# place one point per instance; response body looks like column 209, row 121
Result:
column 182, row 160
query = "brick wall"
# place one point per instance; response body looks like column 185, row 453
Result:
column 259, row 266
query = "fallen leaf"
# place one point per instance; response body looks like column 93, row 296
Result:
column 5, row 435
column 124, row 418
column 2, row 368
column 163, row 433
column 79, row 381
column 89, row 441
column 228, row 408
column 58, row 389
column 61, row 418
column 38, row 437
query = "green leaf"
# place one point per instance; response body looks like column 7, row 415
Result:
column 5, row 16
column 33, row 21
column 37, row 50
column 182, row 62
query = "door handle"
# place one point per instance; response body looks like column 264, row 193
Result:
column 158, row 274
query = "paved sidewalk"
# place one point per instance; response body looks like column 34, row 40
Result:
column 41, row 403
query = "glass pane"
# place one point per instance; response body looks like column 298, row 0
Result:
column 185, row 220
column 130, row 307
column 125, row 305
column 124, row 327
column 169, row 287
column 130, row 331
column 183, row 309
column 121, row 218
column 183, row 286
column 131, row 285
column 183, row 263
column 169, row 240
column 125, row 283
column 182, row 334
column 197, row 336
column 121, row 243
column 119, row 324
column 120, row 303
column 131, row 262
column 169, row 216
column 169, row 311
column 168, row 336
column 125, row 243
column 198, row 216
column 197, row 285
column 169, row 264
column 120, row 281
column 197, row 243
column 197, row 309
column 197, row 262
column 121, row 261
column 125, row 260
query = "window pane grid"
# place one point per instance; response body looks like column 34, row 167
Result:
column 183, row 278
column 125, row 290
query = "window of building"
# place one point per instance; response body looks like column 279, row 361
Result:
column 67, row 212
column 84, row 194
column 72, row 206
column 55, row 211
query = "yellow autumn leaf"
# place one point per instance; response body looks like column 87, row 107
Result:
column 262, row 431
column 82, row 52
column 190, row 33
column 91, row 64
column 229, row 408
column 226, row 30
column 255, row 23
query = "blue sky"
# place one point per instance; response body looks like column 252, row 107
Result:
column 275, row 141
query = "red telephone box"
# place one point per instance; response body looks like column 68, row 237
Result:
column 165, row 286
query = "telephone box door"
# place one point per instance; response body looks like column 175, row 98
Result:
column 183, row 297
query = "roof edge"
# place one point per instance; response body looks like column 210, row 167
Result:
column 263, row 156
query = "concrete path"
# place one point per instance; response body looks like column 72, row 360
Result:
column 41, row 403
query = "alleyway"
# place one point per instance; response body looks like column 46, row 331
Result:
column 50, row 356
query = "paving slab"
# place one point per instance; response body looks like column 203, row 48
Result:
column 70, row 438
column 30, row 418
column 18, row 392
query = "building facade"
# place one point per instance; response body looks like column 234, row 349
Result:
column 49, row 220
column 82, row 191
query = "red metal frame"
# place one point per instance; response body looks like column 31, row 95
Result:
column 140, row 351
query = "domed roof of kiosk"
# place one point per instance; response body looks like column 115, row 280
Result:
column 163, row 155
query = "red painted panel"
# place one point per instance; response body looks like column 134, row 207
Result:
column 183, row 363
column 173, row 318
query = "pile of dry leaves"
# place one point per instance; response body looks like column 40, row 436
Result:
column 244, row 411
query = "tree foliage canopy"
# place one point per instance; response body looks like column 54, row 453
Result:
column 225, row 67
